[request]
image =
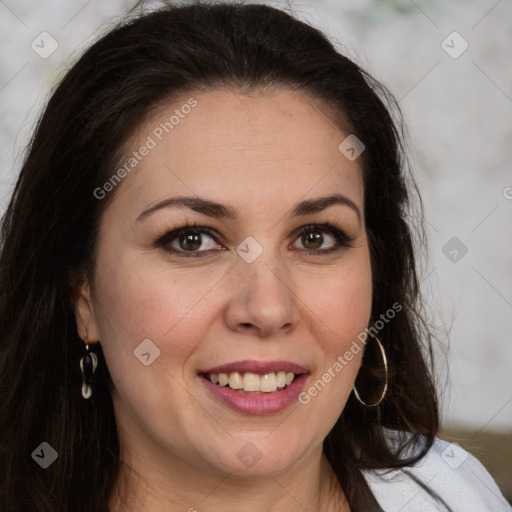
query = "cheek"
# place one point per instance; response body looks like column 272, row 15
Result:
column 341, row 302
column 146, row 310
column 344, row 305
column 141, row 310
column 340, row 310
column 149, row 300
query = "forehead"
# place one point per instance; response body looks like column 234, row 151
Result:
column 273, row 144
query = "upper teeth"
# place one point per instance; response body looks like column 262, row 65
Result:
column 248, row 381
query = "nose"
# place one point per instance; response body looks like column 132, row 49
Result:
column 263, row 299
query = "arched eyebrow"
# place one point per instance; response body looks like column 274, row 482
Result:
column 217, row 210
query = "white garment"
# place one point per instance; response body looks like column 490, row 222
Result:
column 454, row 474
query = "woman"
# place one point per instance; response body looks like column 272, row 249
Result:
column 209, row 293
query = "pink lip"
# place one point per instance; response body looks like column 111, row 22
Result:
column 258, row 367
column 264, row 403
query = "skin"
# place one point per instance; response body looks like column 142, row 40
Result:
column 260, row 153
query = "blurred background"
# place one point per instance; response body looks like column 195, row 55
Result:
column 449, row 64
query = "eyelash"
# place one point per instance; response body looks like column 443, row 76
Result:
column 163, row 241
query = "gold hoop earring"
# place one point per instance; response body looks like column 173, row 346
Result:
column 88, row 364
column 384, row 391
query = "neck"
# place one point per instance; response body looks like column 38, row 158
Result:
column 148, row 484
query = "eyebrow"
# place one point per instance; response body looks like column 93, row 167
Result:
column 217, row 210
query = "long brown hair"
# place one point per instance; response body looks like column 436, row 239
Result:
column 51, row 224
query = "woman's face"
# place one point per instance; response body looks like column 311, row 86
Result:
column 250, row 297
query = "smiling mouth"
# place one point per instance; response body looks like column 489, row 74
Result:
column 252, row 383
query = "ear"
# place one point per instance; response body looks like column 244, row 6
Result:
column 82, row 304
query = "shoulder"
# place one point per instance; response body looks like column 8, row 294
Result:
column 457, row 477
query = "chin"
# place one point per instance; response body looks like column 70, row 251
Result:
column 259, row 455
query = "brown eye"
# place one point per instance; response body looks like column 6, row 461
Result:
column 202, row 241
column 190, row 242
column 318, row 239
column 312, row 240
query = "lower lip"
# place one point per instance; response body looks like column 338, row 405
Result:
column 264, row 403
